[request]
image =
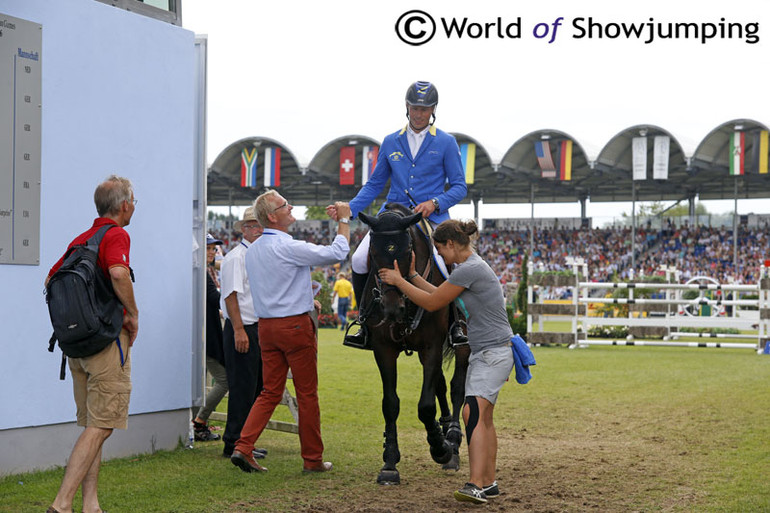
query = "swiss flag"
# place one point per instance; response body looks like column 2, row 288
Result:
column 347, row 165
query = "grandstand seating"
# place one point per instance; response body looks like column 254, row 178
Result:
column 694, row 251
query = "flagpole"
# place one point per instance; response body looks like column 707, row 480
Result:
column 633, row 227
column 735, row 232
column 230, row 208
column 532, row 220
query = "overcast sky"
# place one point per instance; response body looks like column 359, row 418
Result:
column 305, row 73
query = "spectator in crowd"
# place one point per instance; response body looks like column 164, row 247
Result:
column 278, row 267
column 215, row 357
column 241, row 333
column 418, row 161
column 102, row 382
column 343, row 289
column 693, row 251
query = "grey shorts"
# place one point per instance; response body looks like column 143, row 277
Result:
column 488, row 370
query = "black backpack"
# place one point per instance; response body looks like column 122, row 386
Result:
column 85, row 312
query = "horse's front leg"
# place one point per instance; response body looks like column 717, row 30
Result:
column 440, row 449
column 386, row 362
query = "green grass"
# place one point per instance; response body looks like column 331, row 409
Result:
column 603, row 428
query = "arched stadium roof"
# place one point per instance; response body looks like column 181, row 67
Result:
column 517, row 177
column 224, row 175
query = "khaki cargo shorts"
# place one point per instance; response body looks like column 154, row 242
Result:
column 102, row 386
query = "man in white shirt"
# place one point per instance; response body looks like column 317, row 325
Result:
column 243, row 360
column 279, row 271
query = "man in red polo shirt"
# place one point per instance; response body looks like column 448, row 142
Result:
column 102, row 382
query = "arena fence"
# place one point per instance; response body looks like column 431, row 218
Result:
column 654, row 317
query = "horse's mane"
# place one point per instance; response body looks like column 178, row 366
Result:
column 398, row 207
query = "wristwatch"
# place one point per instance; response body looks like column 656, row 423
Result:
column 435, row 203
column 344, row 220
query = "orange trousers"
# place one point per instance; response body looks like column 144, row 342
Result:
column 288, row 343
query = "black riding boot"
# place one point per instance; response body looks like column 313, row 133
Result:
column 456, row 323
column 358, row 340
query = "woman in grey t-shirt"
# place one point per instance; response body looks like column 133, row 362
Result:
column 475, row 288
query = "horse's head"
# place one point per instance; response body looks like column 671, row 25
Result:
column 390, row 240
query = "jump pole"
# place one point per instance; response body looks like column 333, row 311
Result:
column 762, row 303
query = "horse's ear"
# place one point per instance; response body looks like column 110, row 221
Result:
column 368, row 220
column 408, row 221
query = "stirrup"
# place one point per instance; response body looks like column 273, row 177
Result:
column 358, row 340
column 459, row 338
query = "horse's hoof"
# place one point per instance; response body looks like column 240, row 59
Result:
column 442, row 454
column 389, row 477
column 453, row 463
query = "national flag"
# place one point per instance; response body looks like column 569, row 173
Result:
column 565, row 160
column 369, row 162
column 661, row 146
column 468, row 156
column 543, row 153
column 737, row 151
column 272, row 167
column 347, row 165
column 249, row 167
column 759, row 152
column 639, row 158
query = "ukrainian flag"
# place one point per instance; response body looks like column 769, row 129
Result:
column 468, row 156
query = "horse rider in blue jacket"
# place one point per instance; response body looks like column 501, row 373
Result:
column 422, row 160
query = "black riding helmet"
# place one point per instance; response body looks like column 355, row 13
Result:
column 423, row 94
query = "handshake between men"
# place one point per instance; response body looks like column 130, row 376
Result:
column 339, row 210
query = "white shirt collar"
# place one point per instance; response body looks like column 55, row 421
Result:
column 422, row 133
column 415, row 139
column 273, row 231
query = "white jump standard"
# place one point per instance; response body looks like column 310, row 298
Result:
column 677, row 315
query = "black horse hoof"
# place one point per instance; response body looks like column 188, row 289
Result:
column 453, row 463
column 389, row 477
column 442, row 454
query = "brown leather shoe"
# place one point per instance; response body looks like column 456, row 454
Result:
column 323, row 467
column 246, row 462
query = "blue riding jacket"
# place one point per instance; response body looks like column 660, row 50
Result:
column 437, row 163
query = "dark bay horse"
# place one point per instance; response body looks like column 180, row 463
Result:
column 397, row 325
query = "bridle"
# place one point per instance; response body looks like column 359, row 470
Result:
column 410, row 324
column 379, row 285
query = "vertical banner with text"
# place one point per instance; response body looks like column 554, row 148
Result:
column 20, row 112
